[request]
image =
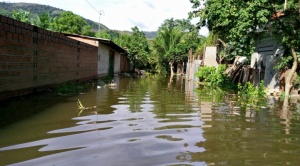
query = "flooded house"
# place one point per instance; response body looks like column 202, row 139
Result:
column 35, row 59
column 112, row 59
column 267, row 54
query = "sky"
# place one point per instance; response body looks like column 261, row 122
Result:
column 147, row 15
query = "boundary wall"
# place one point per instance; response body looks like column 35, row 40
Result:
column 33, row 59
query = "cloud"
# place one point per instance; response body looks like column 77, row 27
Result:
column 149, row 4
column 140, row 25
column 148, row 15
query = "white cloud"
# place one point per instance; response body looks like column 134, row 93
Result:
column 148, row 15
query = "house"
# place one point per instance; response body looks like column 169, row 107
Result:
column 267, row 54
column 112, row 58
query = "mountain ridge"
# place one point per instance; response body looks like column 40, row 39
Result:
column 37, row 9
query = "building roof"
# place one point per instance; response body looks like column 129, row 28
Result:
column 278, row 14
column 106, row 42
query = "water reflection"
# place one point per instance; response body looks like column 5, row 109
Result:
column 136, row 123
column 151, row 121
column 237, row 135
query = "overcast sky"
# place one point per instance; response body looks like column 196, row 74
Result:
column 147, row 15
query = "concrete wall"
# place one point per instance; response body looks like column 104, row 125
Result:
column 264, row 54
column 103, row 60
column 117, row 64
column 210, row 56
column 32, row 58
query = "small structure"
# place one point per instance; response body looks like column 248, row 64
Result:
column 111, row 57
column 266, row 56
column 210, row 56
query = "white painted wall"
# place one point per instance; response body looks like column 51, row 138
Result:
column 103, row 60
column 210, row 57
column 117, row 62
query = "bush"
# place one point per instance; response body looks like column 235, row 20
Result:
column 213, row 76
column 249, row 94
column 204, row 73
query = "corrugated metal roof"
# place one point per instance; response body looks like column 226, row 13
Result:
column 106, row 42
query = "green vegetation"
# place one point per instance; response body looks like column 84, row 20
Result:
column 171, row 46
column 236, row 23
column 43, row 21
column 248, row 94
column 135, row 43
column 106, row 79
column 21, row 15
column 138, row 49
column 71, row 23
column 233, row 27
column 37, row 10
column 214, row 77
column 211, row 94
column 81, row 108
column 165, row 53
column 218, row 81
column 72, row 88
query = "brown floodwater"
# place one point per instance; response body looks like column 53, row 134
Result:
column 148, row 121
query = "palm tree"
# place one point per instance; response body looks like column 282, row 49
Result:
column 166, row 43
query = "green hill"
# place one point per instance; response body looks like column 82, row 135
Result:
column 37, row 9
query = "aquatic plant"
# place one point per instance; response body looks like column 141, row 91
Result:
column 81, row 108
column 72, row 88
column 251, row 95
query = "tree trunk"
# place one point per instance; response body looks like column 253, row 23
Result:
column 171, row 68
column 179, row 68
column 222, row 42
column 288, row 79
column 224, row 45
column 170, row 81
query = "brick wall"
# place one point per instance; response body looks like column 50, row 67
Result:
column 32, row 58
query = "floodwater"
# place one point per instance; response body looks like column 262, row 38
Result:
column 148, row 121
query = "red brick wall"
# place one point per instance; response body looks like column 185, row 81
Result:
column 32, row 58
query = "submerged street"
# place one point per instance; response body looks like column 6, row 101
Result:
column 148, row 121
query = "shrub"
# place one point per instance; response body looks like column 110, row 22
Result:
column 213, row 76
column 204, row 73
column 249, row 94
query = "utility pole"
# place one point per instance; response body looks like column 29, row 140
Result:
column 100, row 13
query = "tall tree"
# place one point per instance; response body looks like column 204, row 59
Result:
column 174, row 39
column 122, row 40
column 21, row 15
column 138, row 48
column 237, row 22
column 166, row 43
column 43, row 21
column 70, row 23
